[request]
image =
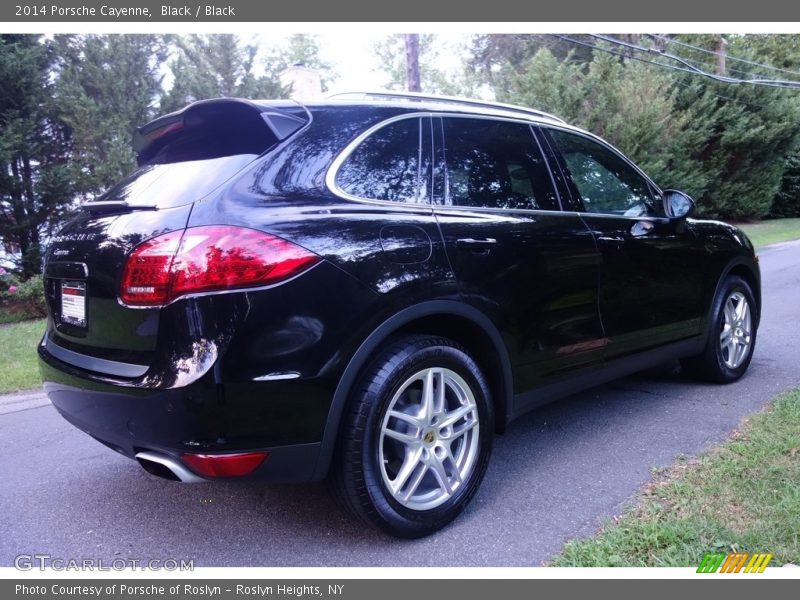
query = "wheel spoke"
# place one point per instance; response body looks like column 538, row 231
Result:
column 741, row 351
column 730, row 347
column 452, row 459
column 427, row 408
column 414, row 484
column 441, row 474
column 410, row 419
column 441, row 389
column 410, row 462
column 461, row 430
column 741, row 309
column 725, row 336
column 733, row 361
column 730, row 312
column 454, row 416
column 405, row 438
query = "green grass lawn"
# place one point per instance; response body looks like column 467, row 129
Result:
column 743, row 496
column 18, row 368
column 771, row 232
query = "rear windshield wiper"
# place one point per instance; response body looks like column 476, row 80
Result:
column 111, row 206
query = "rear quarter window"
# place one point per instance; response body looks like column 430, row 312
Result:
column 391, row 164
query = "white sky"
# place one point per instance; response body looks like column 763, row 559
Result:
column 355, row 61
column 352, row 56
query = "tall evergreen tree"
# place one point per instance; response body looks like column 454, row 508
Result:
column 756, row 129
column 495, row 58
column 106, row 86
column 35, row 185
column 213, row 66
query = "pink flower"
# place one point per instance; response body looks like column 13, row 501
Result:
column 12, row 289
column 2, row 271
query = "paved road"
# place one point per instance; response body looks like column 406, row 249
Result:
column 554, row 476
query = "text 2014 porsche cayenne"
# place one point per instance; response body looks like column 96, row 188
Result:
column 368, row 288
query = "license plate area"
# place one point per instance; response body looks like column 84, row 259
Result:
column 73, row 303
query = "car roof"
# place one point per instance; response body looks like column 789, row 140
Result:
column 414, row 102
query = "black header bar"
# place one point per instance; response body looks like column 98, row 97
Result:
column 497, row 11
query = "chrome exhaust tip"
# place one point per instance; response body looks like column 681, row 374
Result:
column 166, row 467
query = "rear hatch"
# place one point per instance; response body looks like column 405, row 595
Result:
column 183, row 157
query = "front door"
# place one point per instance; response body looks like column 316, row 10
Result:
column 650, row 289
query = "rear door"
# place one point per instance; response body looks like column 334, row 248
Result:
column 650, row 286
column 529, row 266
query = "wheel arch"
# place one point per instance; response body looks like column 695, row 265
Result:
column 460, row 322
column 741, row 267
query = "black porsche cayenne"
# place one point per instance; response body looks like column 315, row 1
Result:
column 366, row 289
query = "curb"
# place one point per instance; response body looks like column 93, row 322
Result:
column 25, row 400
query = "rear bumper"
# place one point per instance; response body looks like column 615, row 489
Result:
column 199, row 418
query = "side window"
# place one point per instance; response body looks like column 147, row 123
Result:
column 391, row 164
column 495, row 164
column 605, row 182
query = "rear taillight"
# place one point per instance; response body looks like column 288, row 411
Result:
column 206, row 259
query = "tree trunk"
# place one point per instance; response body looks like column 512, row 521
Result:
column 412, row 62
column 31, row 263
column 18, row 235
column 722, row 51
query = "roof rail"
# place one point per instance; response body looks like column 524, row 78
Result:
column 415, row 96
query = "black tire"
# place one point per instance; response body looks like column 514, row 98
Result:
column 361, row 481
column 714, row 363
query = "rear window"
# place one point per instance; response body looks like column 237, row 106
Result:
column 166, row 185
column 185, row 156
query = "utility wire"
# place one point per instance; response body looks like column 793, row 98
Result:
column 729, row 69
column 650, row 62
column 623, row 55
column 695, row 63
column 778, row 83
column 727, row 56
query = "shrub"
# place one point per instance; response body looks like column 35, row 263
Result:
column 20, row 300
column 30, row 294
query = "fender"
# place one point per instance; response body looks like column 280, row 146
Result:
column 377, row 337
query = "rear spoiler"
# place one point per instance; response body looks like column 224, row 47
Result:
column 280, row 118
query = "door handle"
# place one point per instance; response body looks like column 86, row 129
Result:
column 641, row 228
column 611, row 239
column 473, row 244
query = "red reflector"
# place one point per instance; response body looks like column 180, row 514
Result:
column 225, row 465
column 205, row 259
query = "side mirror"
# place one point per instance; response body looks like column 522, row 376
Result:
column 677, row 205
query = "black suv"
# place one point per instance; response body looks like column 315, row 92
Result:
column 366, row 289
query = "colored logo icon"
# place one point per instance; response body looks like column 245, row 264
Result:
column 737, row 562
